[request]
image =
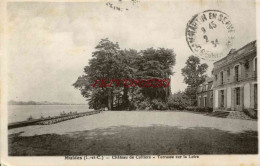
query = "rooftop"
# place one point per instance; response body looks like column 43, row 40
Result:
column 247, row 48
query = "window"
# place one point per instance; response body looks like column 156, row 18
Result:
column 222, row 77
column 199, row 101
column 238, row 96
column 210, row 85
column 228, row 71
column 255, row 64
column 247, row 64
column 222, row 98
column 205, row 101
column 237, row 73
column 211, row 98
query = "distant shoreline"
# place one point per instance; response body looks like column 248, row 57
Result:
column 47, row 104
column 12, row 102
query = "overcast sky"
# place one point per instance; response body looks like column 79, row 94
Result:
column 50, row 43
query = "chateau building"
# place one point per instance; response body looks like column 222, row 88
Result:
column 205, row 94
column 235, row 80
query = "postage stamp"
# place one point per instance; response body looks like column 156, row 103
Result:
column 209, row 34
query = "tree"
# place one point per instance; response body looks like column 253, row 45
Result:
column 108, row 62
column 105, row 64
column 127, row 70
column 156, row 64
column 194, row 74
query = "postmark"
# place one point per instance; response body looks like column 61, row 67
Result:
column 121, row 5
column 210, row 34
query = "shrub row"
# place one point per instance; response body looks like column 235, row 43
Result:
column 196, row 109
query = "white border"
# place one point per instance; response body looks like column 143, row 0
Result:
column 205, row 160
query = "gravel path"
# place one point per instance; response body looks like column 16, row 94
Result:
column 140, row 119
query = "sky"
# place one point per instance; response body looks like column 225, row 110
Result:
column 50, row 43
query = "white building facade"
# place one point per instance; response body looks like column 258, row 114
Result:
column 235, row 80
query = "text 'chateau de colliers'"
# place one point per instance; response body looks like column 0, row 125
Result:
column 233, row 86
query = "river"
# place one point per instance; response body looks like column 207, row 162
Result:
column 18, row 113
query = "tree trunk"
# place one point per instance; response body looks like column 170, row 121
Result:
column 167, row 89
column 109, row 99
column 112, row 100
column 118, row 101
column 125, row 97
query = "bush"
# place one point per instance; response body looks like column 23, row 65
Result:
column 191, row 108
column 132, row 106
column 178, row 101
column 251, row 113
column 158, row 105
column 197, row 109
column 144, row 105
column 209, row 109
column 200, row 109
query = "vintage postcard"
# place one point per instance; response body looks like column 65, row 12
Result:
column 129, row 82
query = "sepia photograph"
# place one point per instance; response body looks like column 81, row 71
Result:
column 131, row 77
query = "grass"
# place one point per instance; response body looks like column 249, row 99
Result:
column 127, row 140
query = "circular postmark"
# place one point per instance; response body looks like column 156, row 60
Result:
column 122, row 5
column 210, row 34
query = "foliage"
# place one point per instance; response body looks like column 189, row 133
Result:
column 156, row 63
column 144, row 105
column 109, row 62
column 158, row 105
column 178, row 101
column 191, row 108
column 194, row 74
column 197, row 109
column 105, row 63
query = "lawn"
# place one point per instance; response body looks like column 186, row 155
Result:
column 139, row 133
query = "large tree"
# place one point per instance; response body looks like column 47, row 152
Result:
column 108, row 62
column 156, row 64
column 128, row 71
column 194, row 74
column 105, row 64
